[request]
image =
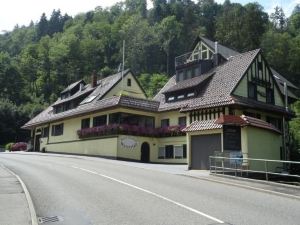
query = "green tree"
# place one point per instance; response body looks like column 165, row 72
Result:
column 152, row 83
column 169, row 29
column 278, row 19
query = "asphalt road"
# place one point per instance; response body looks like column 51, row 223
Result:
column 98, row 191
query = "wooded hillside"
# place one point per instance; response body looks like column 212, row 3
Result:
column 39, row 60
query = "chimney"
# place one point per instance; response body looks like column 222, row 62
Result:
column 94, row 79
column 216, row 55
column 81, row 86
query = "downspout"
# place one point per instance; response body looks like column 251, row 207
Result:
column 285, row 150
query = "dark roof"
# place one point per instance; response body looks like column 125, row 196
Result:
column 223, row 50
column 86, row 90
column 218, row 90
column 122, row 101
column 71, row 86
column 281, row 79
column 96, row 103
column 106, row 84
column 190, row 83
column 160, row 97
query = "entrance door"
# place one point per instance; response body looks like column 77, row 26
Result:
column 37, row 143
column 145, row 152
column 204, row 146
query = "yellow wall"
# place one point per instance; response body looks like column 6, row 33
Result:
column 101, row 147
column 172, row 116
column 134, row 90
column 263, row 144
column 161, row 142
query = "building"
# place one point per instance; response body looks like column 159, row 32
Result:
column 218, row 101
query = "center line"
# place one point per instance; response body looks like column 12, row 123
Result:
column 151, row 193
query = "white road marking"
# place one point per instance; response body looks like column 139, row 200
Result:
column 152, row 193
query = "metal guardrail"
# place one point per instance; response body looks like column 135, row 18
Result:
column 186, row 58
column 244, row 166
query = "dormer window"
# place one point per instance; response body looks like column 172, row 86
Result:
column 191, row 94
column 171, row 98
column 180, row 97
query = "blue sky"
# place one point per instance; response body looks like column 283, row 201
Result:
column 21, row 12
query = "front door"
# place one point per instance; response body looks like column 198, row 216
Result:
column 37, row 143
column 145, row 152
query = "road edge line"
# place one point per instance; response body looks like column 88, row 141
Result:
column 28, row 198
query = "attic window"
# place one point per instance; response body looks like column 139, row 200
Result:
column 171, row 98
column 191, row 94
column 129, row 82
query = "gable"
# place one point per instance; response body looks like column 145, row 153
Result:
column 201, row 51
column 129, row 87
column 259, row 84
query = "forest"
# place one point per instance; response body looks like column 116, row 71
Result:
column 39, row 60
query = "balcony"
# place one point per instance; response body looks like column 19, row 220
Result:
column 125, row 129
column 186, row 58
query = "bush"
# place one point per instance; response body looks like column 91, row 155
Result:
column 8, row 146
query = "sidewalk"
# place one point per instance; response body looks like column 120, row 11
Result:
column 14, row 209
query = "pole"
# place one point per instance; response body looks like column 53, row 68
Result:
column 123, row 60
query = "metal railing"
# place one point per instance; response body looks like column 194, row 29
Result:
column 265, row 168
column 186, row 58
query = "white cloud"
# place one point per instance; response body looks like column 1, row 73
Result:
column 14, row 12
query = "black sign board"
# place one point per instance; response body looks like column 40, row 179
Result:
column 232, row 138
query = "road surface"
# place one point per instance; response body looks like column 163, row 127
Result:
column 81, row 191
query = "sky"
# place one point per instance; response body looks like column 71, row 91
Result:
column 21, row 12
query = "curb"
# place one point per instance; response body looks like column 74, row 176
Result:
column 28, row 198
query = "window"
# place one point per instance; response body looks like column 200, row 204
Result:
column 165, row 122
column 169, row 151
column 260, row 66
column 129, row 82
column 171, row 98
column 191, row 94
column 99, row 121
column 180, row 96
column 269, row 95
column 45, row 132
column 178, row 151
column 85, row 123
column 57, row 130
column 161, row 152
column 252, row 91
column 182, row 121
